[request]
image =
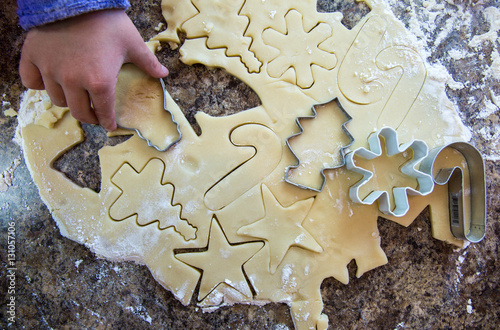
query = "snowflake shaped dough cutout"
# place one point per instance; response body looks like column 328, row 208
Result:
column 299, row 49
column 425, row 183
column 271, row 14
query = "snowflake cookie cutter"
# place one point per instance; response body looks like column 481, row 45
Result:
column 148, row 141
column 342, row 150
column 424, row 180
column 454, row 178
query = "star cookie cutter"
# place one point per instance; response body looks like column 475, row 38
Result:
column 148, row 141
column 424, row 180
column 454, row 177
column 342, row 150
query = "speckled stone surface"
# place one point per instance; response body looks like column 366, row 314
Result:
column 426, row 284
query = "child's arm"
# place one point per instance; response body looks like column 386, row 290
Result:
column 77, row 61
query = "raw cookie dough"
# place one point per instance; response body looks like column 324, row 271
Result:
column 223, row 194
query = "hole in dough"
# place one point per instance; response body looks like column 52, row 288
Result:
column 81, row 163
column 198, row 88
column 352, row 10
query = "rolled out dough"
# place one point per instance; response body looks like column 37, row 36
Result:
column 215, row 208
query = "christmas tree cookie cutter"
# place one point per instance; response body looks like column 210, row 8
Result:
column 148, row 141
column 342, row 150
column 454, row 178
column 425, row 183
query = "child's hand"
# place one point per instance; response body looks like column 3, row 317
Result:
column 77, row 61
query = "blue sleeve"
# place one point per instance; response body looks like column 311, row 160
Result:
column 38, row 12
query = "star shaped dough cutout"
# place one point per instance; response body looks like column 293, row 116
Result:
column 219, row 255
column 281, row 228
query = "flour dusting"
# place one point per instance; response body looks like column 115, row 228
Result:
column 7, row 176
column 463, row 55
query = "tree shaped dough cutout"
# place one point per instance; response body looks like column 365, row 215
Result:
column 145, row 197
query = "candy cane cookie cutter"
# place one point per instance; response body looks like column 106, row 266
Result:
column 342, row 150
column 454, row 177
column 148, row 141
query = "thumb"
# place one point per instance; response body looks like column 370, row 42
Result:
column 142, row 56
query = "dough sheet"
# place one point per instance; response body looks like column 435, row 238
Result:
column 215, row 210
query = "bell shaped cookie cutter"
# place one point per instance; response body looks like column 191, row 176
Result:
column 342, row 150
column 424, row 180
column 148, row 141
column 454, row 177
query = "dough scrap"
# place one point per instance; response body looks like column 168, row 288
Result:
column 225, row 186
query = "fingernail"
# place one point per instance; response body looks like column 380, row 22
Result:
column 164, row 70
column 111, row 127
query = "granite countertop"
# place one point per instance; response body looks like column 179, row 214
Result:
column 426, row 284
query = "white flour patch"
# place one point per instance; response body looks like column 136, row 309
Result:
column 488, row 109
column 495, row 65
column 280, row 327
column 139, row 311
column 33, row 103
column 77, row 263
column 7, row 176
column 437, row 25
column 492, row 16
column 458, row 54
column 492, row 136
column 400, row 326
column 469, row 306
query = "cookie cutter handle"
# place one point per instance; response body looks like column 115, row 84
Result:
column 454, row 177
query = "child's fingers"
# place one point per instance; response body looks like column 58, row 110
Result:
column 56, row 93
column 141, row 56
column 79, row 105
column 30, row 75
column 103, row 101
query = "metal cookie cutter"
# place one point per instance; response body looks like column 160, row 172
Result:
column 149, row 142
column 342, row 150
column 424, row 180
column 454, row 177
